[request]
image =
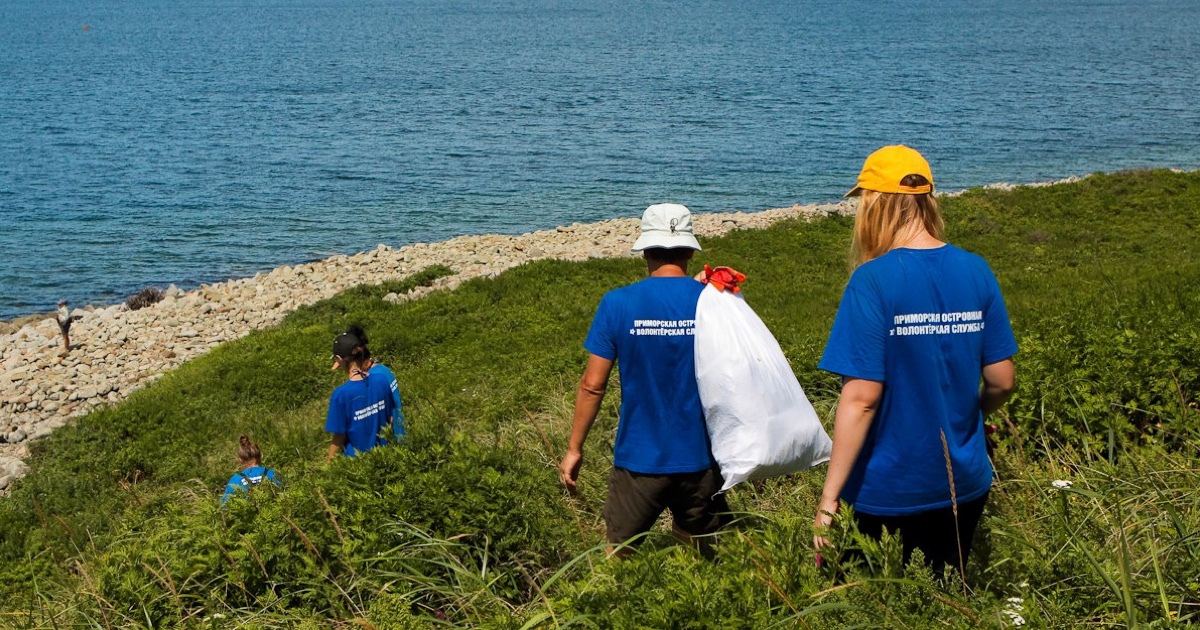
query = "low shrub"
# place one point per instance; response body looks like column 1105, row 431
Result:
column 146, row 297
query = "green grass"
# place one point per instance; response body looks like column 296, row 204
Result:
column 118, row 522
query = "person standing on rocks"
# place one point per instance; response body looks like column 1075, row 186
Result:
column 662, row 457
column 361, row 409
column 64, row 319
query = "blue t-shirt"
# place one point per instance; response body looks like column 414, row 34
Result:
column 648, row 328
column 924, row 322
column 380, row 370
column 241, row 482
column 362, row 410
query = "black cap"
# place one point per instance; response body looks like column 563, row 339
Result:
column 345, row 344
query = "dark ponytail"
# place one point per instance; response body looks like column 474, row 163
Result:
column 361, row 352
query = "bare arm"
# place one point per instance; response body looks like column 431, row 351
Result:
column 587, row 405
column 337, row 444
column 999, row 381
column 855, row 412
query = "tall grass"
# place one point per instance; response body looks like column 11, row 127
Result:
column 119, row 525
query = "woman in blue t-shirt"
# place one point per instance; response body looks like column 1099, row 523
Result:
column 375, row 368
column 924, row 347
column 252, row 472
column 362, row 410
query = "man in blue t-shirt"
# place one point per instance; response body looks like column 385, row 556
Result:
column 661, row 459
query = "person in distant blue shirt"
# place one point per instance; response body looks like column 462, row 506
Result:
column 252, row 473
column 362, row 411
column 924, row 347
column 662, row 458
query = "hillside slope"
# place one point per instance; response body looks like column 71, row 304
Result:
column 118, row 523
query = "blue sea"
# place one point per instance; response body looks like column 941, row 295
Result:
column 147, row 142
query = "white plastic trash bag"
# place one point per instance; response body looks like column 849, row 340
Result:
column 760, row 422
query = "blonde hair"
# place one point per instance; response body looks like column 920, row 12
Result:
column 885, row 219
column 248, row 451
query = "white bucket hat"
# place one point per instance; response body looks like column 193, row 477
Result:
column 666, row 225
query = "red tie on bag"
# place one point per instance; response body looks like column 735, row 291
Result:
column 724, row 278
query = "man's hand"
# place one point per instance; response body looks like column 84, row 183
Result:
column 568, row 469
column 587, row 405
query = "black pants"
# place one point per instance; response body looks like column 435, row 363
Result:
column 936, row 533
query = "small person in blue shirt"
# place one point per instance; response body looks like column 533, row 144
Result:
column 252, row 473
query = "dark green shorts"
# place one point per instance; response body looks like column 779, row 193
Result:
column 635, row 501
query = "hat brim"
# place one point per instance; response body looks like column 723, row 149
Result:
column 900, row 190
column 665, row 241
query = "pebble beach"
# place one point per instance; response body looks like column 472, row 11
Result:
column 116, row 351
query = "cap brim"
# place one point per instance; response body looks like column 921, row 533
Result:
column 854, row 192
column 648, row 241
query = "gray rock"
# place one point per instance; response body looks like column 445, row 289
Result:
column 14, row 467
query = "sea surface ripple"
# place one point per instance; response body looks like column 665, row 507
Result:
column 147, row 142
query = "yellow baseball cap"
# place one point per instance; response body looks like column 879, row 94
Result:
column 886, row 167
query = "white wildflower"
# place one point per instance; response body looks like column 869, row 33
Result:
column 1061, row 484
column 1013, row 611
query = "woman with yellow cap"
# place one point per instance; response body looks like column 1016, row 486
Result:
column 924, row 347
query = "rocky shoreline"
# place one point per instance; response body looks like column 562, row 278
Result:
column 116, row 351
